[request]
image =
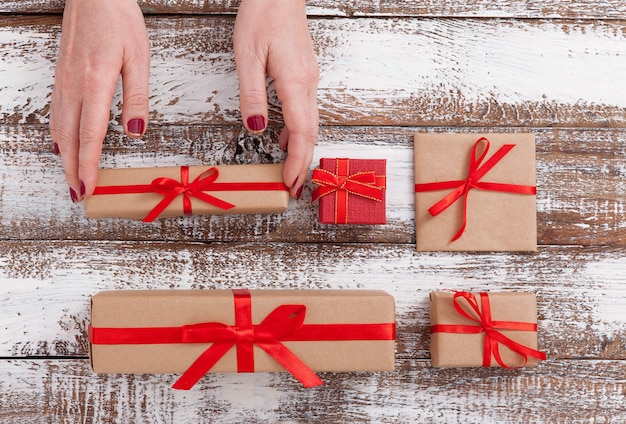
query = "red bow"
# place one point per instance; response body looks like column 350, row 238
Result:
column 285, row 323
column 476, row 172
column 489, row 327
column 171, row 189
column 363, row 184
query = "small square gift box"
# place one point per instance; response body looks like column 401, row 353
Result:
column 350, row 191
column 483, row 329
column 151, row 193
column 475, row 192
column 198, row 331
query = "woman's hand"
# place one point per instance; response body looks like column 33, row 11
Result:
column 272, row 38
column 101, row 39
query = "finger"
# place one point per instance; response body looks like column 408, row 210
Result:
column 251, row 68
column 301, row 121
column 94, row 122
column 64, row 124
column 135, row 78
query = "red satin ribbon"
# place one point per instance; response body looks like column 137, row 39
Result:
column 170, row 189
column 363, row 184
column 489, row 327
column 476, row 172
column 285, row 323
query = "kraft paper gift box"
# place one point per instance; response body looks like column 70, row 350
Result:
column 351, row 191
column 475, row 192
column 151, row 193
column 483, row 329
column 198, row 331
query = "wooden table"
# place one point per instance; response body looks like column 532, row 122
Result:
column 389, row 69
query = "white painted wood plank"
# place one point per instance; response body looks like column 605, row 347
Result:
column 45, row 286
column 582, row 9
column 581, row 177
column 65, row 391
column 414, row 71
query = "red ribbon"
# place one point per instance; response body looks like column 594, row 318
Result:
column 285, row 323
column 489, row 327
column 364, row 184
column 170, row 189
column 476, row 172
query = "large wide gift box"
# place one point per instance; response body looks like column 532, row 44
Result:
column 495, row 329
column 198, row 331
column 475, row 192
column 151, row 193
column 351, row 191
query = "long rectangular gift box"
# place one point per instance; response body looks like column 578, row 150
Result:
column 497, row 329
column 198, row 331
column 151, row 193
column 475, row 192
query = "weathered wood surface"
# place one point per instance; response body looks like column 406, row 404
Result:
column 390, row 69
column 580, row 177
column 53, row 391
column 581, row 9
column 429, row 72
column 46, row 285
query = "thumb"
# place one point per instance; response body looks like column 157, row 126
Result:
column 252, row 91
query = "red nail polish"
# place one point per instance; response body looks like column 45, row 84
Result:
column 73, row 195
column 56, row 149
column 136, row 126
column 82, row 188
column 256, row 122
column 294, row 182
column 299, row 193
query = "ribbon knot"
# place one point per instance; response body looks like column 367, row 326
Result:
column 493, row 337
column 477, row 171
column 170, row 189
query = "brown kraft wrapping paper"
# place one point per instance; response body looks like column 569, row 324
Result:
column 176, row 308
column 449, row 349
column 138, row 205
column 495, row 220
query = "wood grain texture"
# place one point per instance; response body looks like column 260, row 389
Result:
column 389, row 68
column 65, row 391
column 430, row 72
column 580, row 178
column 581, row 9
column 46, row 286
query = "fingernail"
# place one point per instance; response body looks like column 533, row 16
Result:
column 256, row 122
column 294, row 182
column 56, row 149
column 299, row 193
column 136, row 126
column 82, row 188
column 73, row 195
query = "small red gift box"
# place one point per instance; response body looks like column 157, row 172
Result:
column 351, row 191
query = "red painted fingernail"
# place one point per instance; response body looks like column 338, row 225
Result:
column 299, row 193
column 82, row 188
column 294, row 182
column 56, row 149
column 256, row 122
column 73, row 195
column 136, row 126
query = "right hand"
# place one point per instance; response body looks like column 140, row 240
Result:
column 101, row 39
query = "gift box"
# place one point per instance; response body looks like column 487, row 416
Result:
column 351, row 191
column 150, row 193
column 198, row 331
column 475, row 192
column 483, row 329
